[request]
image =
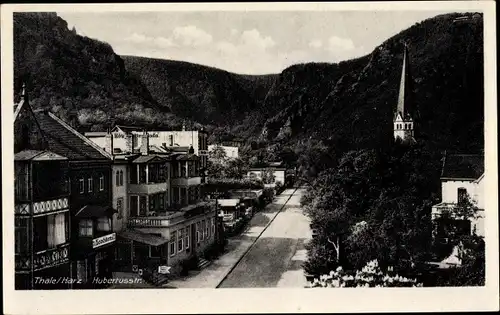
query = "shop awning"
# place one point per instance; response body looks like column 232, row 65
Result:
column 94, row 211
column 228, row 202
column 144, row 238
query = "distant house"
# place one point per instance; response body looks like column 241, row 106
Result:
column 231, row 151
column 277, row 169
column 462, row 176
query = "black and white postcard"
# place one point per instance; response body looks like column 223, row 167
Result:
column 249, row 157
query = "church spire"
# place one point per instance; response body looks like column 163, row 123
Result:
column 403, row 118
column 404, row 99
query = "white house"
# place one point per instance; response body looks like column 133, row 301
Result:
column 231, row 151
column 462, row 176
column 275, row 167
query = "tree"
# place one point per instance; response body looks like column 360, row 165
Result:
column 218, row 154
column 268, row 176
column 236, row 168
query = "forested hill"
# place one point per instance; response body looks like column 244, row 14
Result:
column 71, row 74
column 205, row 94
column 352, row 103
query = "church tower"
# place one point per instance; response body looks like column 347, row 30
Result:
column 403, row 118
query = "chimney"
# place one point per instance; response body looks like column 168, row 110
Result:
column 109, row 142
column 144, row 143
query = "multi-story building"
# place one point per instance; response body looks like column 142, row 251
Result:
column 462, row 179
column 72, row 195
column 161, row 217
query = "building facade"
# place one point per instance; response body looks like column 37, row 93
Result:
column 67, row 199
column 462, row 179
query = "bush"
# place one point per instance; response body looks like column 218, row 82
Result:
column 370, row 276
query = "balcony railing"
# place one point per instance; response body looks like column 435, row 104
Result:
column 51, row 257
column 149, row 222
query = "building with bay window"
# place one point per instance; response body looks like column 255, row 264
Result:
column 64, row 204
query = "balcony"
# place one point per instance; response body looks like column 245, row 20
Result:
column 149, row 188
column 157, row 222
column 51, row 257
column 186, row 181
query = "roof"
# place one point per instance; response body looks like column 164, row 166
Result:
column 178, row 149
column 94, row 211
column 157, row 149
column 128, row 128
column 27, row 155
column 185, row 157
column 95, row 134
column 228, row 202
column 66, row 141
column 463, row 166
column 149, row 158
column 141, row 237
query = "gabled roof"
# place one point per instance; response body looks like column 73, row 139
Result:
column 127, row 128
column 66, row 141
column 463, row 166
column 149, row 159
column 36, row 155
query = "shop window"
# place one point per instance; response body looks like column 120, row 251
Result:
column 81, row 270
column 104, row 224
column 172, row 245
column 154, row 251
column 85, row 228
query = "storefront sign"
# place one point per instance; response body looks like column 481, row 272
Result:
column 103, row 240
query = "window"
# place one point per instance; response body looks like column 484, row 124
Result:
column 213, row 226
column 119, row 207
column 202, row 229
column 85, row 227
column 81, row 185
column 90, row 182
column 142, row 205
column 462, row 195
column 180, row 240
column 121, row 178
column 21, row 235
column 101, row 183
column 198, row 236
column 172, row 244
column 104, row 224
column 207, row 229
column 186, row 238
column 117, row 178
column 56, row 230
column 171, row 140
column 161, row 199
column 134, row 206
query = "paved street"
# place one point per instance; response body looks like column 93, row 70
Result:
column 274, row 260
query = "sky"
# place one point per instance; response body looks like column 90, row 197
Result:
column 249, row 42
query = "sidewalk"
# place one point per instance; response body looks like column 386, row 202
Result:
column 237, row 246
